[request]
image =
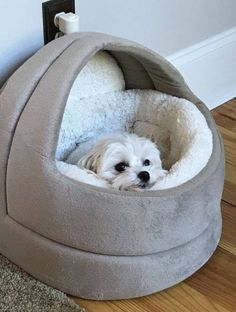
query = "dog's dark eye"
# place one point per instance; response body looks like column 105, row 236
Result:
column 121, row 166
column 146, row 162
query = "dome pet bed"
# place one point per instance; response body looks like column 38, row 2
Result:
column 96, row 242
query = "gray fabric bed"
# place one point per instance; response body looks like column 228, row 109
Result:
column 87, row 241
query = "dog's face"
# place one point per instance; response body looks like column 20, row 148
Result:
column 127, row 162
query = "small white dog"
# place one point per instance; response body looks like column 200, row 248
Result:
column 125, row 162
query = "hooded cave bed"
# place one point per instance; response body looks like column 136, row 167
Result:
column 85, row 240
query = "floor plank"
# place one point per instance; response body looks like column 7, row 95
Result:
column 213, row 287
column 182, row 298
column 228, row 238
column 223, row 121
column 216, row 280
column 229, row 193
column 229, row 138
column 228, row 109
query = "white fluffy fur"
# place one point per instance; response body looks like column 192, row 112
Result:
column 176, row 125
column 82, row 175
column 122, row 148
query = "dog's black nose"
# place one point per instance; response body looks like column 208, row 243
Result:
column 144, row 176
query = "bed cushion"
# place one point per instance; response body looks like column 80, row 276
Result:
column 176, row 125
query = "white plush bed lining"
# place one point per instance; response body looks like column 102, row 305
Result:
column 99, row 104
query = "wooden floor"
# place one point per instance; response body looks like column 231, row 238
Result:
column 213, row 287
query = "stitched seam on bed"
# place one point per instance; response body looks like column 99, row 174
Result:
column 110, row 255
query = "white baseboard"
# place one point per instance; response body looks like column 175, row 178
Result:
column 209, row 68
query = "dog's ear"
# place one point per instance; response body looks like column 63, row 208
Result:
column 92, row 159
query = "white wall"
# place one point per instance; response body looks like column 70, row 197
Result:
column 166, row 26
column 21, row 33
column 197, row 36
